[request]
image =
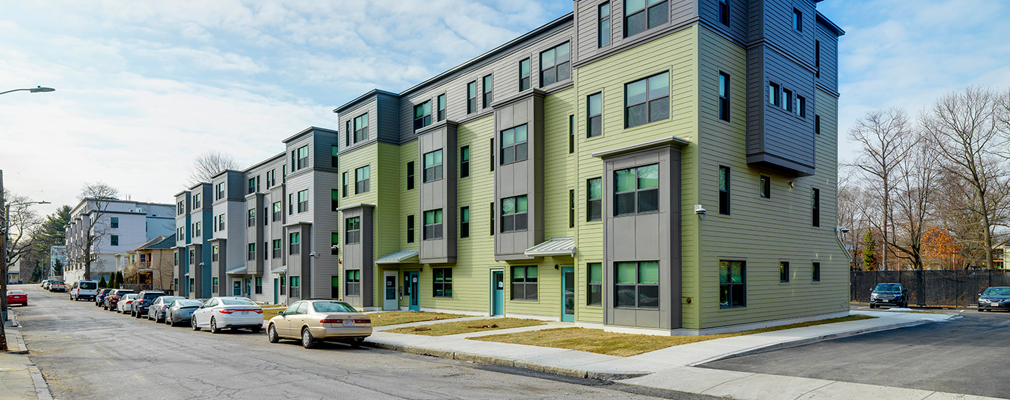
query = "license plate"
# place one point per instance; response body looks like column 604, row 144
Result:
column 245, row 313
column 348, row 322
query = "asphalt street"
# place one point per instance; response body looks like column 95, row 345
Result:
column 86, row 352
column 970, row 355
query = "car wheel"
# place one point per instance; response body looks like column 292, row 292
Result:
column 873, row 305
column 213, row 326
column 168, row 321
column 272, row 334
column 308, row 341
column 192, row 322
column 138, row 315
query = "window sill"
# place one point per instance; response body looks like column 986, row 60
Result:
column 637, row 308
column 722, row 307
column 442, row 297
column 594, row 305
column 637, row 214
column 525, row 301
column 516, row 231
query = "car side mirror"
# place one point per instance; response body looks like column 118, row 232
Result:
column 980, row 294
column 281, row 313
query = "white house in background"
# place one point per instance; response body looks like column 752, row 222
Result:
column 123, row 224
column 57, row 253
column 14, row 272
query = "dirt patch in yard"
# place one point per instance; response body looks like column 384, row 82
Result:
column 386, row 318
column 458, row 327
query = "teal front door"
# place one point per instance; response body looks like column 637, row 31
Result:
column 277, row 290
column 497, row 293
column 568, row 294
column 412, row 286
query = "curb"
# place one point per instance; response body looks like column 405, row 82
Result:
column 806, row 341
column 492, row 360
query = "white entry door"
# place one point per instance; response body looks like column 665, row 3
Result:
column 389, row 297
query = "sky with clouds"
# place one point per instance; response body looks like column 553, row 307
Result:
column 144, row 86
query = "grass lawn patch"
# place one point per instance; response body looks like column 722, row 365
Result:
column 270, row 312
column 386, row 318
column 625, row 344
column 455, row 328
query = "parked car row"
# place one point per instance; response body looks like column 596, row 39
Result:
column 896, row 294
column 308, row 321
column 54, row 285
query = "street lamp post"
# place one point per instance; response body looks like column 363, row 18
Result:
column 39, row 89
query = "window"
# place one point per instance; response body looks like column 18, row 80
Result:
column 196, row 201
column 488, row 86
column 492, row 155
column 783, row 271
column 361, row 128
column 766, row 187
column 180, row 208
column 773, row 94
column 787, row 100
column 192, row 257
column 283, row 285
column 303, row 200
column 442, row 285
column 513, row 145
column 197, row 232
column 432, row 224
column 294, row 160
column 252, row 217
column 513, row 214
column 603, row 27
column 334, row 243
column 594, row 199
column 352, row 230
column 732, row 284
column 817, row 57
column 464, row 222
column 815, row 199
column 464, row 161
column 296, row 290
column 797, row 20
column 344, row 187
column 471, row 97
column 422, row 115
column 176, row 254
column 294, row 243
column 571, row 134
column 636, row 284
column 636, row 190
column 595, row 290
column 352, row 279
column 441, row 107
column 272, row 175
column 555, row 65
column 817, row 124
column 114, row 240
column 647, row 100
column 214, row 284
column 801, row 106
column 410, row 229
column 284, row 172
column 276, row 248
column 492, row 219
column 347, row 135
column 410, row 176
column 252, row 251
column 641, row 15
column 724, row 96
column 571, row 208
column 361, row 180
column 433, row 166
column 724, row 12
column 259, row 285
column 220, row 191
column 524, row 74
column 114, row 222
column 252, row 185
column 303, row 160
column 724, row 190
column 594, row 110
column 524, row 283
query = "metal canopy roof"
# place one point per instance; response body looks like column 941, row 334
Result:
column 560, row 246
column 237, row 271
column 399, row 257
column 282, row 270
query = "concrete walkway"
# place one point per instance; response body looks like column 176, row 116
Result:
column 19, row 377
column 674, row 368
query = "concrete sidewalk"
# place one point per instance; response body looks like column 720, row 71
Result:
column 19, row 377
column 674, row 368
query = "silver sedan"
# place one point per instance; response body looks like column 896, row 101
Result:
column 181, row 310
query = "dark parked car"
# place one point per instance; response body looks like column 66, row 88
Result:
column 893, row 294
column 144, row 300
column 181, row 311
column 100, row 297
column 112, row 299
column 159, row 309
column 994, row 298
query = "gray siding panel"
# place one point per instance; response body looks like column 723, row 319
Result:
column 829, row 58
column 737, row 21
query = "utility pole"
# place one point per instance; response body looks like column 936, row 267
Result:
column 3, row 267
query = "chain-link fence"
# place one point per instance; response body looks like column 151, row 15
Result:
column 945, row 288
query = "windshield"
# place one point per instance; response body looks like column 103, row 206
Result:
column 997, row 291
column 332, row 307
column 887, row 287
column 15, row 292
column 236, row 302
column 187, row 303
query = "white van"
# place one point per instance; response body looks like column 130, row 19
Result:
column 84, row 290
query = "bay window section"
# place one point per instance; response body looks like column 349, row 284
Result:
column 433, row 166
column 433, row 224
column 637, row 284
column 636, row 190
column 514, row 214
column 513, row 145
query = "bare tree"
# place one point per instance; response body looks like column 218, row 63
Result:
column 852, row 206
column 98, row 196
column 209, row 164
column 968, row 132
column 886, row 139
column 24, row 222
column 914, row 200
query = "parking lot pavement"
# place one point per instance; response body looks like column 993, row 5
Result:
column 967, row 355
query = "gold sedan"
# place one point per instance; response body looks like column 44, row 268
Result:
column 313, row 321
